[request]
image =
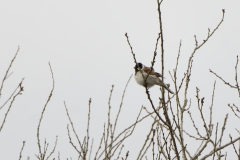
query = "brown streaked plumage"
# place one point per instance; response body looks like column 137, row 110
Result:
column 148, row 69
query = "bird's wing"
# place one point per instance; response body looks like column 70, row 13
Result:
column 148, row 69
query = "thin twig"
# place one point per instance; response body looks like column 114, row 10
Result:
column 150, row 100
column 44, row 108
column 20, row 155
column 108, row 125
column 53, row 148
column 211, row 107
column 163, row 97
column 115, row 123
column 236, row 79
column 79, row 142
column 190, row 61
column 234, row 146
column 234, row 110
column 222, row 79
column 131, row 48
column 10, row 96
column 119, row 153
column 91, row 150
column 223, row 129
column 147, row 139
column 219, row 148
column 154, row 57
column 6, row 74
column 88, row 123
column 215, row 142
column 125, row 136
column 10, row 106
column 99, row 145
column 190, row 115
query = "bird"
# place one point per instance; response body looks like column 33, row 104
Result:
column 141, row 72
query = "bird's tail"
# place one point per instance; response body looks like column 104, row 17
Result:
column 166, row 86
column 169, row 90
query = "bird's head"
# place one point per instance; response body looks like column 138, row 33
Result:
column 138, row 67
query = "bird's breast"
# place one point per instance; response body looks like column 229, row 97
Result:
column 139, row 78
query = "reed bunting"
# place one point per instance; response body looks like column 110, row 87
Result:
column 153, row 78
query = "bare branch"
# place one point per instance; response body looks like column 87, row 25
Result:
column 120, row 152
column 234, row 147
column 10, row 96
column 99, row 145
column 53, row 148
column 125, row 131
column 146, row 140
column 222, row 79
column 44, row 108
column 131, row 48
column 20, row 155
column 91, row 150
column 115, row 123
column 190, row 61
column 79, row 142
column 219, row 148
column 215, row 142
column 6, row 74
column 10, row 106
column 88, row 123
column 154, row 57
column 236, row 77
column 235, row 112
column 108, row 124
column 150, row 100
column 210, row 121
column 194, row 125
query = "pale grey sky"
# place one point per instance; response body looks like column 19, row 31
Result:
column 85, row 43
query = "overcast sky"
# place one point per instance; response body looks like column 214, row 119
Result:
column 84, row 42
